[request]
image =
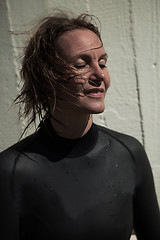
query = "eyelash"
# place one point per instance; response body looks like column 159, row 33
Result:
column 102, row 66
column 80, row 66
column 83, row 66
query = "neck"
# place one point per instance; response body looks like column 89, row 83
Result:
column 69, row 126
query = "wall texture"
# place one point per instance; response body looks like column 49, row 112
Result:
column 131, row 35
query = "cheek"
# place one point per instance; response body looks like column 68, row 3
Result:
column 107, row 80
column 75, row 87
column 79, row 81
column 80, row 78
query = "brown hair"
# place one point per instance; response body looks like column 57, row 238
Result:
column 43, row 70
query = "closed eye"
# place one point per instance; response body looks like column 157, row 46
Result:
column 102, row 63
column 80, row 66
column 102, row 66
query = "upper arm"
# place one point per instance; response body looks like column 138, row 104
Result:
column 145, row 204
column 9, row 220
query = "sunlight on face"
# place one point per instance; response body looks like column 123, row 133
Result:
column 82, row 49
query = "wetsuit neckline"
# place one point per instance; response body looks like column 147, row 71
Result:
column 68, row 147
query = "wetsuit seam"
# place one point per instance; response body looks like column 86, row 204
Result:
column 122, row 143
column 12, row 177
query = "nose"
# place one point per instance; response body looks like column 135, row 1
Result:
column 96, row 76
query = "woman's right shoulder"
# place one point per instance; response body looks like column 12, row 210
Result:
column 10, row 154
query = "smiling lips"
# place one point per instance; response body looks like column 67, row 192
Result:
column 94, row 92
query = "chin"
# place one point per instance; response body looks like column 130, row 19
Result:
column 97, row 109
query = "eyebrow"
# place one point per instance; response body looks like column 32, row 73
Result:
column 85, row 55
column 105, row 55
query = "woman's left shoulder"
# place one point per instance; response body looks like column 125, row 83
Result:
column 130, row 142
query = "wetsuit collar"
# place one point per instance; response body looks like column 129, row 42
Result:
column 68, row 147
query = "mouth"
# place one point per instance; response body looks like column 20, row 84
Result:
column 94, row 92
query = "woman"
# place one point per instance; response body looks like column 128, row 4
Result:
column 73, row 179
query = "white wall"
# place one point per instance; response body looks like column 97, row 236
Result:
column 131, row 35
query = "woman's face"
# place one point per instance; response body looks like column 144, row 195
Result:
column 83, row 50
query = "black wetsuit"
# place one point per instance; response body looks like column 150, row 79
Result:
column 97, row 187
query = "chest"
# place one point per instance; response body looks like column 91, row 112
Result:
column 87, row 196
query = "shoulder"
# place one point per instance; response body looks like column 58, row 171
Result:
column 20, row 145
column 9, row 156
column 135, row 149
column 120, row 137
column 132, row 144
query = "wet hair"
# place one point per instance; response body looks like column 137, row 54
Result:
column 44, row 71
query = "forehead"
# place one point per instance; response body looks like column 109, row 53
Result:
column 78, row 41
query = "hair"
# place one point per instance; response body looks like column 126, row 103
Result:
column 44, row 71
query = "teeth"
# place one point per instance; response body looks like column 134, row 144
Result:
column 94, row 91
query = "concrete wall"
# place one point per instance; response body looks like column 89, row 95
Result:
column 131, row 34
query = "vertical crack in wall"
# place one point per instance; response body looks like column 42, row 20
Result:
column 157, row 34
column 135, row 71
column 15, row 54
column 87, row 6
